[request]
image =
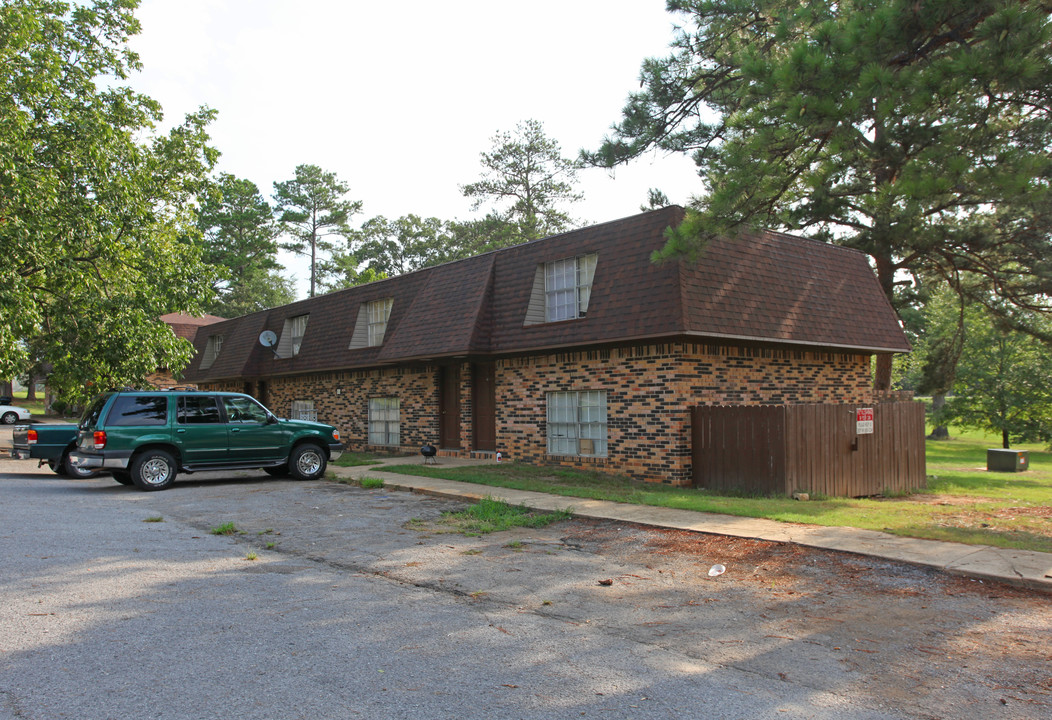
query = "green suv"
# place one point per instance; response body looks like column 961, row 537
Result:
column 146, row 437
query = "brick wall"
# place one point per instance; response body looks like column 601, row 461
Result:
column 649, row 392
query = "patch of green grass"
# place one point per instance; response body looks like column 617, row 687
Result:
column 227, row 528
column 354, row 459
column 487, row 516
column 251, row 556
column 270, row 546
column 371, row 483
column 154, row 519
column 35, row 407
column 972, row 506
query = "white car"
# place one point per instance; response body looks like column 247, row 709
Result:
column 9, row 414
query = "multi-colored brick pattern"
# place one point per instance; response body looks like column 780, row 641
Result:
column 649, row 392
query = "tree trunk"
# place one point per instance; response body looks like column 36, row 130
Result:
column 1004, row 439
column 939, row 432
column 886, row 278
column 31, row 387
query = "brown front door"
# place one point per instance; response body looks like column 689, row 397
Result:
column 449, row 407
column 484, row 401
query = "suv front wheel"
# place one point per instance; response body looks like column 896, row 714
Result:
column 153, row 470
column 307, row 462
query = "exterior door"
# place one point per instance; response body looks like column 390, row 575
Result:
column 484, row 403
column 449, row 407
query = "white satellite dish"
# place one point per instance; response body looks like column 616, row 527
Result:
column 268, row 338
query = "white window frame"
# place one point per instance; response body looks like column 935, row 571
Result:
column 303, row 410
column 379, row 313
column 577, row 423
column 292, row 333
column 212, row 350
column 568, row 287
column 384, row 421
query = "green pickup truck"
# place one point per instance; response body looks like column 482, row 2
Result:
column 50, row 444
column 146, row 437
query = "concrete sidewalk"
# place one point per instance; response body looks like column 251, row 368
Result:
column 1014, row 567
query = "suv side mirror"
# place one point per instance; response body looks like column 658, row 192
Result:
column 271, row 419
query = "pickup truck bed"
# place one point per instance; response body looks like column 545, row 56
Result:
column 50, row 444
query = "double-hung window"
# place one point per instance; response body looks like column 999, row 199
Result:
column 304, row 410
column 577, row 423
column 292, row 336
column 379, row 312
column 371, row 325
column 383, row 421
column 568, row 287
column 215, row 344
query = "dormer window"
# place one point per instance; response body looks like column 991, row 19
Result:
column 292, row 336
column 215, row 344
column 561, row 290
column 379, row 312
column 371, row 326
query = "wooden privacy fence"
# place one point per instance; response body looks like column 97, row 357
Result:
column 782, row 449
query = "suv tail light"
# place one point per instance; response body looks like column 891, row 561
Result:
column 100, row 439
column 32, row 436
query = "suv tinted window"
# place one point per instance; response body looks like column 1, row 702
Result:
column 91, row 415
column 198, row 410
column 138, row 410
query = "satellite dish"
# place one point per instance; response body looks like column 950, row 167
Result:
column 267, row 338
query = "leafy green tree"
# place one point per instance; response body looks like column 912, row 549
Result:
column 396, row 247
column 916, row 132
column 1002, row 381
column 94, row 204
column 239, row 238
column 528, row 179
column 312, row 210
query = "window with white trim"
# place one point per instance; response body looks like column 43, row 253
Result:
column 577, row 423
column 383, row 421
column 212, row 348
column 304, row 410
column 568, row 287
column 379, row 313
column 292, row 336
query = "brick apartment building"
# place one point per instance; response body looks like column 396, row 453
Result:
column 574, row 350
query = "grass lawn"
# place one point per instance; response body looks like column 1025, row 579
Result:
column 962, row 502
column 35, row 406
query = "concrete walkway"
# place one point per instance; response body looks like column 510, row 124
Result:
column 1015, row 567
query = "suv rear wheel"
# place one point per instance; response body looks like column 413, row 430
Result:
column 153, row 470
column 307, row 462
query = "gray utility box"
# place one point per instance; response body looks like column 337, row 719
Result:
column 1000, row 460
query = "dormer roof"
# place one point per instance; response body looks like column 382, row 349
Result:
column 758, row 287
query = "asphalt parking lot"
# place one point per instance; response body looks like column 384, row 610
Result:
column 326, row 604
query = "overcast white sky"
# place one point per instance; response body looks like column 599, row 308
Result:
column 399, row 98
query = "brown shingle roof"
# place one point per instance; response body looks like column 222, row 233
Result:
column 765, row 287
column 186, row 326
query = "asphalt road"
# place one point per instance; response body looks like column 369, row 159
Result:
column 118, row 604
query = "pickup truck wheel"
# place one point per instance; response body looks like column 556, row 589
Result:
column 70, row 470
column 9, row 418
column 122, row 476
column 307, row 462
column 57, row 468
column 153, row 470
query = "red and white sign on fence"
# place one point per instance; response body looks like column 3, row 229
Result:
column 864, row 421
